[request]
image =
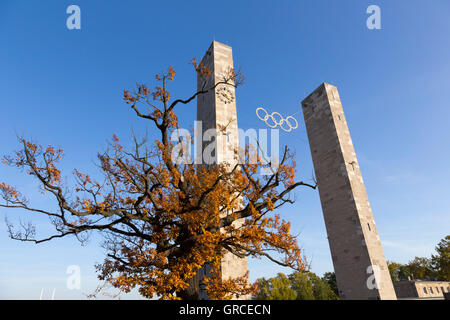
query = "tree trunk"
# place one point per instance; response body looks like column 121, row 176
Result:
column 193, row 291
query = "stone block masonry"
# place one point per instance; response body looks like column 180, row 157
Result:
column 358, row 258
column 217, row 109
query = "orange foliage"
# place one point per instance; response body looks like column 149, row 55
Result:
column 164, row 221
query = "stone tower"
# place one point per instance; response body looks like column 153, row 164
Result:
column 217, row 110
column 358, row 258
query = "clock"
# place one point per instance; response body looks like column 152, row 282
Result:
column 225, row 95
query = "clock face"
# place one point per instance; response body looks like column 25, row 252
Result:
column 225, row 95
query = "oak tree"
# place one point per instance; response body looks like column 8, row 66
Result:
column 163, row 220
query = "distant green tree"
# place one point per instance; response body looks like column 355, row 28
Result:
column 420, row 268
column 278, row 288
column 321, row 288
column 302, row 284
column 330, row 277
column 296, row 286
column 397, row 271
column 441, row 261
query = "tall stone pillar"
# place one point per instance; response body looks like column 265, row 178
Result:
column 217, row 110
column 358, row 258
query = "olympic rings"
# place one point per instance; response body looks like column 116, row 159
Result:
column 273, row 123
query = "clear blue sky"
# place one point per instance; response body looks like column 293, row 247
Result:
column 65, row 87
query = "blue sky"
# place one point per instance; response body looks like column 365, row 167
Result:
column 64, row 87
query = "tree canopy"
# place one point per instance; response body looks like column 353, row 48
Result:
column 420, row 268
column 440, row 262
column 296, row 286
column 163, row 219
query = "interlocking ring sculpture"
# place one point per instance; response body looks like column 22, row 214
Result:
column 273, row 123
